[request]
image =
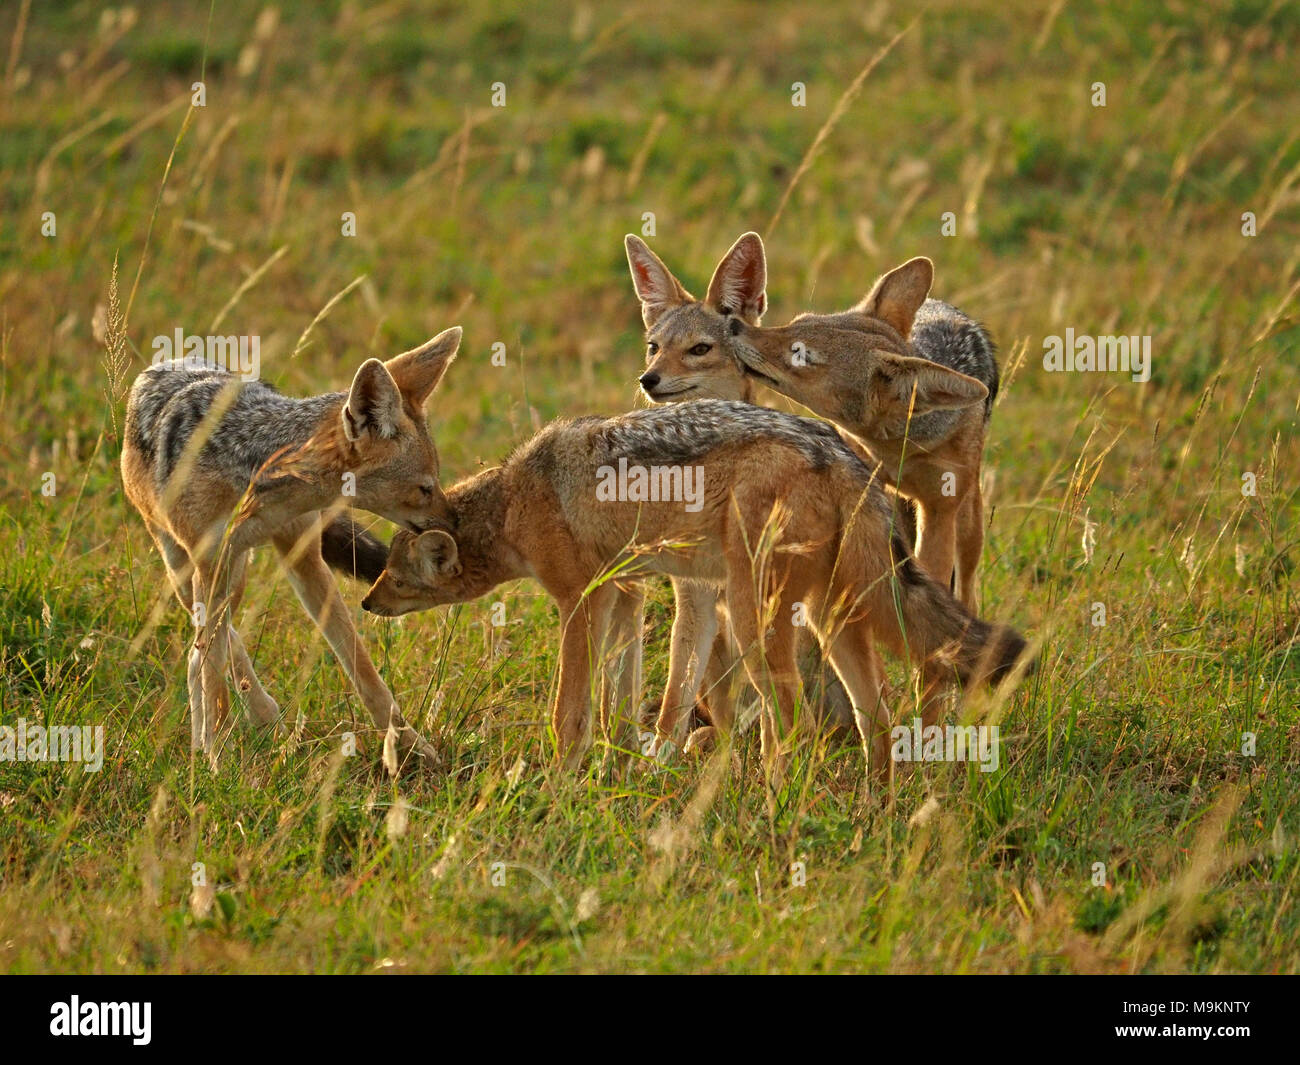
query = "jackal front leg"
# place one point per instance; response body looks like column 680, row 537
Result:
column 970, row 544
column 936, row 537
column 581, row 643
column 312, row 581
column 622, row 681
column 695, row 624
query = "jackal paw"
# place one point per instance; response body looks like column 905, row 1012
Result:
column 263, row 711
column 701, row 742
column 406, row 751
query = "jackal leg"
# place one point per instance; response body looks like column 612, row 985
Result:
column 580, row 645
column 212, row 612
column 936, row 551
column 695, row 623
column 263, row 710
column 858, row 664
column 319, row 595
column 723, row 676
column 180, row 571
column 765, row 632
column 970, row 543
column 622, row 682
column 936, row 537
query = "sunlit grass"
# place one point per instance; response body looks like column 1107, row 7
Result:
column 1125, row 748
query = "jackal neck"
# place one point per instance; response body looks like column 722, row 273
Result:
column 317, row 453
column 486, row 556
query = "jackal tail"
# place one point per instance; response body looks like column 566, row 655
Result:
column 938, row 631
column 352, row 551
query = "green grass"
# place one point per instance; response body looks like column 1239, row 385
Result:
column 1123, row 749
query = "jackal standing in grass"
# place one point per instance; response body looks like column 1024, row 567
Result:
column 911, row 379
column 782, row 517
column 217, row 466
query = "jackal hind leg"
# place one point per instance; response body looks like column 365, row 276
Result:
column 858, row 664
column 263, row 710
column 180, row 573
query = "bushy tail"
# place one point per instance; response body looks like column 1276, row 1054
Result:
column 938, row 632
column 352, row 551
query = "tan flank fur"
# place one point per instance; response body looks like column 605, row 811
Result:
column 217, row 467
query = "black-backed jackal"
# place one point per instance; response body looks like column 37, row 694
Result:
column 772, row 509
column 911, row 379
column 217, row 466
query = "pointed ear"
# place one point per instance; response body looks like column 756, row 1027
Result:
column 739, row 284
column 373, row 402
column 418, row 371
column 436, row 554
column 897, row 296
column 655, row 285
column 936, row 387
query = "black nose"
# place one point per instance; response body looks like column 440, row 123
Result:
column 365, row 604
column 649, row 380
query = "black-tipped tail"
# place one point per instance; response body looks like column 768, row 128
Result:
column 953, row 643
column 352, row 551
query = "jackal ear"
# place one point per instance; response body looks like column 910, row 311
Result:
column 374, row 404
column 897, row 296
column 739, row 284
column 936, row 387
column 436, row 554
column 418, row 371
column 655, row 285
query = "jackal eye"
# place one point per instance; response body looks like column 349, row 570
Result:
column 651, row 349
column 399, row 585
column 700, row 349
column 426, row 491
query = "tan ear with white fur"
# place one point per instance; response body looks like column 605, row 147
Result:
column 898, row 295
column 936, row 387
column 655, row 285
column 418, row 371
column 436, row 554
column 739, row 284
column 374, row 403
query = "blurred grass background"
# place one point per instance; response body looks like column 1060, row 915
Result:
column 1125, row 749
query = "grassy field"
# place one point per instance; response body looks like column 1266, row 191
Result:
column 1125, row 749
